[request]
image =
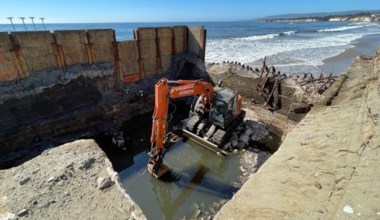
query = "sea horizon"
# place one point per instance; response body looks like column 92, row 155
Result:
column 299, row 47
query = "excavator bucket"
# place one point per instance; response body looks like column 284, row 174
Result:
column 160, row 171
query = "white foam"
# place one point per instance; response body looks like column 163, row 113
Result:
column 266, row 36
column 286, row 51
column 365, row 23
column 259, row 37
column 340, row 28
column 306, row 50
column 289, row 32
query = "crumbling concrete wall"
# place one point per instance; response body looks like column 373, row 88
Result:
column 247, row 87
column 149, row 54
column 292, row 96
column 79, row 101
column 57, row 87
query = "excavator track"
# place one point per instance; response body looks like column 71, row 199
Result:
column 221, row 136
column 218, row 137
column 192, row 124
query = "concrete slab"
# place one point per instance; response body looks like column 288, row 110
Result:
column 180, row 39
column 166, row 61
column 146, row 33
column 196, row 40
column 165, row 41
column 73, row 44
column 102, row 43
column 128, row 54
column 8, row 69
column 37, row 49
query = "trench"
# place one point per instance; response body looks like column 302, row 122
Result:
column 199, row 182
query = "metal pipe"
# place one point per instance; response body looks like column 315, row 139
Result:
column 10, row 18
column 42, row 19
column 32, row 18
column 23, row 18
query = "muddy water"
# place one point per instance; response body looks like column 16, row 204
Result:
column 199, row 182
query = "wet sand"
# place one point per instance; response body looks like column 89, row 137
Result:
column 363, row 46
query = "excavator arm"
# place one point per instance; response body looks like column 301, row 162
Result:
column 164, row 91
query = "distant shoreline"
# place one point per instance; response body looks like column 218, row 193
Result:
column 361, row 17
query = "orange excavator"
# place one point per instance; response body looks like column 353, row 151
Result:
column 214, row 115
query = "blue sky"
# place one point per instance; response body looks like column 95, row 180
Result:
column 83, row 11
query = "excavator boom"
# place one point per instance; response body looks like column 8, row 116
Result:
column 164, row 92
column 215, row 114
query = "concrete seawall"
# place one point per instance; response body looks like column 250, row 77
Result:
column 327, row 167
column 59, row 86
column 149, row 54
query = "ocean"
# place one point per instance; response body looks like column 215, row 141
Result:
column 297, row 47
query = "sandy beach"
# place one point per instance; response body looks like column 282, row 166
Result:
column 363, row 46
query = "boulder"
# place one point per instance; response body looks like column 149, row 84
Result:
column 249, row 131
column 244, row 138
column 234, row 143
column 241, row 145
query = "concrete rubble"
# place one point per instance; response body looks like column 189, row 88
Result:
column 309, row 88
column 246, row 135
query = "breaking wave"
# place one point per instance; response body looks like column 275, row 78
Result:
column 340, row 28
column 288, row 33
column 267, row 36
column 307, row 51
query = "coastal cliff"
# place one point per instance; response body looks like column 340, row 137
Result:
column 362, row 17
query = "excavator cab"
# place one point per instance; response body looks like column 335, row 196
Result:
column 224, row 107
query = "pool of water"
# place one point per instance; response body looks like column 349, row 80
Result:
column 199, row 182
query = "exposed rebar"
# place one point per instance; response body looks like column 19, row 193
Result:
column 42, row 20
column 23, row 18
column 10, row 18
column 32, row 18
